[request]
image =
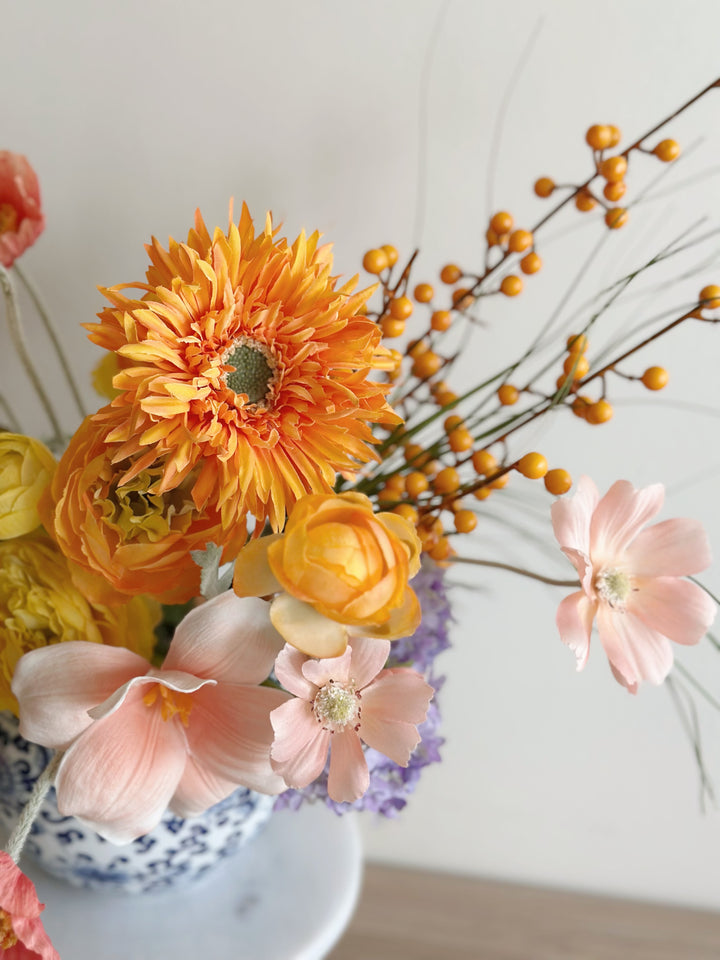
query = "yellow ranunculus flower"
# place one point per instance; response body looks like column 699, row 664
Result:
column 26, row 468
column 39, row 605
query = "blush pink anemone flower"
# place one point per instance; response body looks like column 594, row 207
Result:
column 338, row 703
column 140, row 739
column 21, row 219
column 22, row 935
column 631, row 579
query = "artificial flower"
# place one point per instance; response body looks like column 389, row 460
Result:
column 631, row 579
column 103, row 375
column 339, row 565
column 129, row 538
column 22, row 935
column 21, row 219
column 248, row 364
column 338, row 704
column 137, row 738
column 40, row 605
column 26, row 468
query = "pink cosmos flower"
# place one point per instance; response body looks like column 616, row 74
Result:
column 139, row 739
column 21, row 219
column 630, row 579
column 22, row 936
column 341, row 701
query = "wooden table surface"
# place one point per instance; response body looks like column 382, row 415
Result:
column 418, row 915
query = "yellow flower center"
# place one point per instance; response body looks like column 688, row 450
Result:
column 254, row 370
column 7, row 934
column 8, row 218
column 336, row 705
column 614, row 586
column 139, row 512
column 172, row 702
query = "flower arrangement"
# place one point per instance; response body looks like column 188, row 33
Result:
column 232, row 573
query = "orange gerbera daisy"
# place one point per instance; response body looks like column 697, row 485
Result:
column 248, row 368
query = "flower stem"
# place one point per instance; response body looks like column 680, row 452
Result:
column 519, row 570
column 18, row 338
column 52, row 333
column 31, row 809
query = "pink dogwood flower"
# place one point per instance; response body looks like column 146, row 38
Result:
column 140, row 739
column 631, row 579
column 21, row 219
column 22, row 935
column 338, row 703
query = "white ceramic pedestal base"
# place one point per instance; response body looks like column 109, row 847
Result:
column 287, row 896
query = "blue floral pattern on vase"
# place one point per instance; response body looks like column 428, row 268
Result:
column 177, row 851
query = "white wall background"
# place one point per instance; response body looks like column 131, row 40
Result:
column 135, row 113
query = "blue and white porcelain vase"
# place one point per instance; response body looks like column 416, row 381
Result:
column 176, row 852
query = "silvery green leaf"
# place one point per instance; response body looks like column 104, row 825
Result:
column 214, row 578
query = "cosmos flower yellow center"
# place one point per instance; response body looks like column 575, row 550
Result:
column 253, row 370
column 336, row 705
column 7, row 934
column 172, row 702
column 8, row 218
column 614, row 586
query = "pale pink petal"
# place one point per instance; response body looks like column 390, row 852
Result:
column 320, row 672
column 57, row 685
column 173, row 679
column 397, row 694
column 395, row 740
column 121, row 773
column 288, row 670
column 581, row 562
column 17, row 892
column 33, row 941
column 673, row 548
column 349, row 777
column 571, row 516
column 294, row 724
column 227, row 638
column 301, row 625
column 230, row 734
column 199, row 790
column 635, row 650
column 308, row 763
column 630, row 687
column 619, row 517
column 678, row 609
column 574, row 620
column 367, row 659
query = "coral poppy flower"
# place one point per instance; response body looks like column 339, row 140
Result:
column 247, row 362
column 22, row 936
column 631, row 579
column 339, row 703
column 21, row 220
column 138, row 739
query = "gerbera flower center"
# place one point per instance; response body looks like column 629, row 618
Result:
column 336, row 705
column 172, row 702
column 8, row 937
column 614, row 586
column 8, row 218
column 254, row 370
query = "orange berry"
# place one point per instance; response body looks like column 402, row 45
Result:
column 576, row 365
column 415, row 484
column 520, row 240
column 447, row 481
column 392, row 327
column 614, row 191
column 441, row 320
column 616, row 217
column 426, row 365
column 391, row 253
column 452, row 422
column 494, row 239
column 544, row 186
column 406, row 510
column 484, row 462
column 534, row 466
column 580, row 406
column 501, row 222
column 615, row 135
column 584, row 201
column 465, row 521
column 416, row 348
column 599, row 412
column 482, row 493
column 531, row 263
column 423, row 293
column 461, row 298
column 598, row 136
column 613, row 169
column 413, row 454
column 577, row 343
column 400, row 307
column 396, row 483
column 432, row 467
column 460, row 440
column 502, row 481
column 511, row 285
column 557, row 482
column 655, row 378
column 375, row 261
column 441, row 550
column 508, row 395
column 562, row 381
column 450, row 273
column 711, row 297
column 443, row 398
column 667, row 150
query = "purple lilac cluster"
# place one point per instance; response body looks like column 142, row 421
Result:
column 390, row 785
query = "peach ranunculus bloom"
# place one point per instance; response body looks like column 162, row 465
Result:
column 338, row 565
column 22, row 935
column 21, row 219
column 139, row 739
column 26, row 469
column 631, row 579
column 339, row 704
column 124, row 535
